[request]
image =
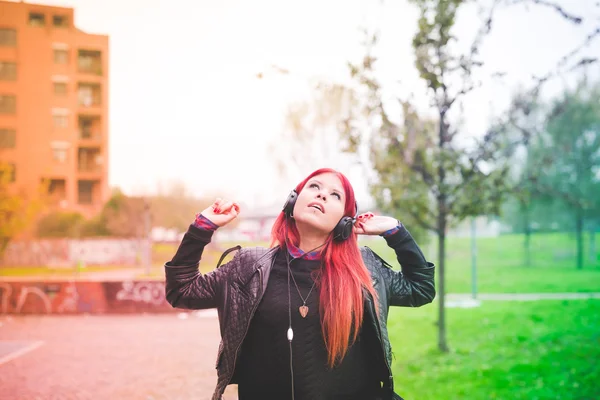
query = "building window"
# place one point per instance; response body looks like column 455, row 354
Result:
column 59, row 155
column 8, row 104
column 8, row 172
column 60, row 21
column 57, row 189
column 61, row 56
column 37, row 19
column 85, row 191
column 8, row 37
column 60, row 151
column 60, row 121
column 8, row 138
column 60, row 88
column 8, row 71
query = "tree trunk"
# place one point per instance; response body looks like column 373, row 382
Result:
column 579, row 233
column 442, row 343
column 593, row 257
column 526, row 217
column 442, row 218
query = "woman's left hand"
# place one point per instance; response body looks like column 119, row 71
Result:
column 371, row 224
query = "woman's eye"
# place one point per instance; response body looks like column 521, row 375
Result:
column 338, row 196
column 314, row 185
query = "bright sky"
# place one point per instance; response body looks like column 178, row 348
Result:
column 185, row 103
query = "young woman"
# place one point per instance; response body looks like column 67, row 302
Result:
column 306, row 318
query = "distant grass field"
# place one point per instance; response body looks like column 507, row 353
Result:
column 501, row 350
column 501, row 264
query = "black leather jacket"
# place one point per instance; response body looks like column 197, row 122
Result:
column 236, row 288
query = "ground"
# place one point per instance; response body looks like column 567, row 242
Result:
column 145, row 357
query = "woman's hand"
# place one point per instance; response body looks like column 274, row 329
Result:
column 222, row 212
column 371, row 224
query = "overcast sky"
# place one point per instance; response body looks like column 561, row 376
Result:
column 185, row 103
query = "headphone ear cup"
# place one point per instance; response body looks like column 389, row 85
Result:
column 288, row 207
column 343, row 229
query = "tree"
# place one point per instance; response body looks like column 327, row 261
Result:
column 525, row 119
column 60, row 224
column 174, row 207
column 566, row 156
column 124, row 216
column 17, row 212
column 451, row 179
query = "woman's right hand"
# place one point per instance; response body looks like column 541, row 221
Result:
column 222, row 212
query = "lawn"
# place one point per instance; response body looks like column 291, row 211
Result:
column 502, row 350
column 501, row 264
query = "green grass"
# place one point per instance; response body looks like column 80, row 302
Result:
column 501, row 264
column 502, row 350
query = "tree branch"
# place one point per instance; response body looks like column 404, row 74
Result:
column 565, row 59
column 421, row 221
column 485, row 29
column 556, row 7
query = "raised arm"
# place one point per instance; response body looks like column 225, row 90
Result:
column 414, row 285
column 186, row 287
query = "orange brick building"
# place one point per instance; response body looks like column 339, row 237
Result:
column 54, row 105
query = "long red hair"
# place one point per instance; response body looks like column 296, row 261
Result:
column 343, row 276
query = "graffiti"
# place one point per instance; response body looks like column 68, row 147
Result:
column 70, row 300
column 6, row 291
column 71, row 252
column 75, row 297
column 145, row 292
column 25, row 291
column 39, row 298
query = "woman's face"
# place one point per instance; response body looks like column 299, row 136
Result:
column 321, row 202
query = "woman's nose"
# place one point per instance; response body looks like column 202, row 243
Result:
column 321, row 196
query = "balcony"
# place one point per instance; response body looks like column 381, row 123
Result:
column 88, row 192
column 89, row 160
column 89, row 62
column 90, row 129
column 89, row 95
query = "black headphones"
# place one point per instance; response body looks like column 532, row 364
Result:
column 342, row 230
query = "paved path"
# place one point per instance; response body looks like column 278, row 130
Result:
column 465, row 300
column 523, row 296
column 133, row 357
column 143, row 357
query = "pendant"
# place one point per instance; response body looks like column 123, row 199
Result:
column 303, row 311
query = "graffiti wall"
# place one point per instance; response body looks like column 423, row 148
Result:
column 69, row 252
column 83, row 297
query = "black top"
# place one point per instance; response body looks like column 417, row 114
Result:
column 263, row 368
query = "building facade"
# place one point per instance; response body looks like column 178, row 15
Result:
column 54, row 106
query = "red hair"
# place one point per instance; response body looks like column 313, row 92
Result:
column 343, row 276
